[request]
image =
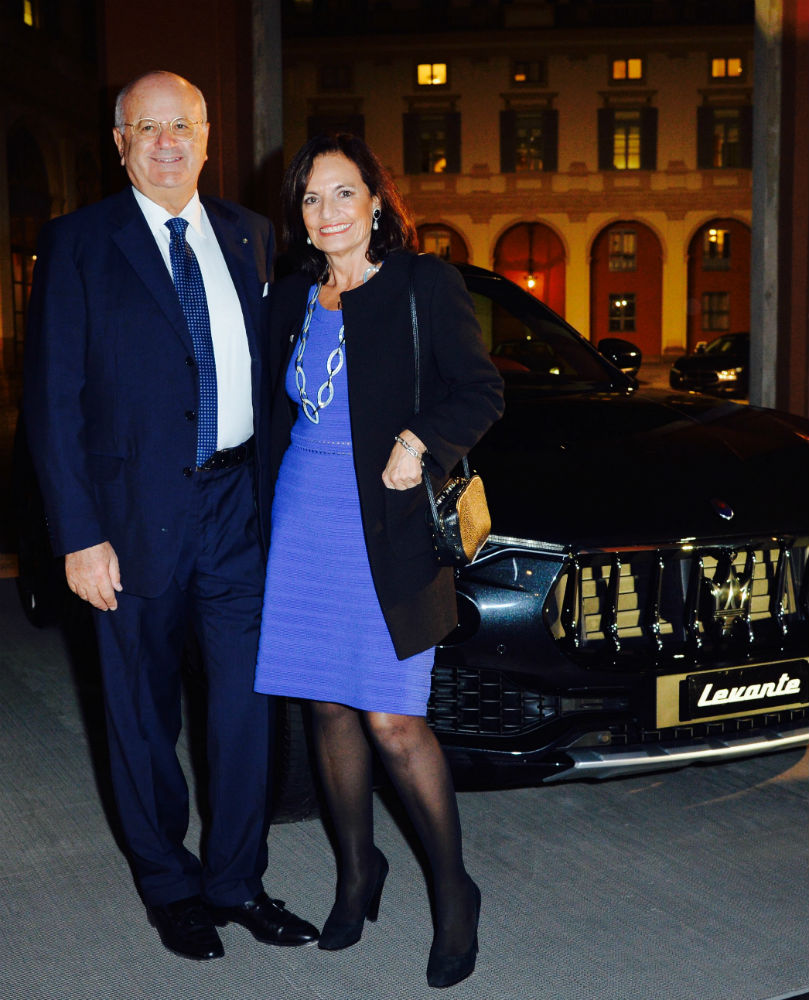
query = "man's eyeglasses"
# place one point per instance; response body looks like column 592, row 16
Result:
column 149, row 128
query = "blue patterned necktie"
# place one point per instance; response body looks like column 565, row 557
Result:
column 191, row 291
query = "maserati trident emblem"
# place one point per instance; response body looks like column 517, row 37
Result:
column 722, row 508
column 729, row 591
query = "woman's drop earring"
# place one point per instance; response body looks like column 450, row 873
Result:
column 377, row 214
column 308, row 241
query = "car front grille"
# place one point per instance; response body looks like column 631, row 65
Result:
column 705, row 605
column 485, row 702
column 701, row 380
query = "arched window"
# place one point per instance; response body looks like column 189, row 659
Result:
column 443, row 241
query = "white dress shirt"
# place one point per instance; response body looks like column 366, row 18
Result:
column 231, row 352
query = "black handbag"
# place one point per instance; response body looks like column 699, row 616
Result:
column 459, row 515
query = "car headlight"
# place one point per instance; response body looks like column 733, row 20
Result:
column 729, row 374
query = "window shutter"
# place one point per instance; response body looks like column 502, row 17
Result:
column 648, row 139
column 704, row 137
column 453, row 127
column 606, row 128
column 746, row 136
column 550, row 139
column 411, row 143
column 508, row 142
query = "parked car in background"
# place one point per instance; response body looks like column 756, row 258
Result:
column 720, row 367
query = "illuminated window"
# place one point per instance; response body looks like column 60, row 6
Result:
column 716, row 311
column 432, row 74
column 529, row 140
column 724, row 137
column 432, row 142
column 622, row 313
column 716, row 249
column 626, row 70
column 29, row 13
column 726, row 69
column 626, row 141
column 530, row 143
column 529, row 72
column 623, row 249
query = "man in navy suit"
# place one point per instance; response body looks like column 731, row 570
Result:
column 156, row 531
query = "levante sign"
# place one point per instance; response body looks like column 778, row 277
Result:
column 746, row 689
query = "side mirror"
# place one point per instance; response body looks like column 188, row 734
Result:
column 700, row 347
column 622, row 354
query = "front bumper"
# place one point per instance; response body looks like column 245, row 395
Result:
column 611, row 762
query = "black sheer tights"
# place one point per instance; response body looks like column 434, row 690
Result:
column 419, row 772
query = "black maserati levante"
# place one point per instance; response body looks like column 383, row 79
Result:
column 643, row 600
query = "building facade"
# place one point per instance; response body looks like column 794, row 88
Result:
column 607, row 171
column 49, row 140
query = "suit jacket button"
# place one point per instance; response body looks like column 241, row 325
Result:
column 189, row 361
column 190, row 414
column 188, row 471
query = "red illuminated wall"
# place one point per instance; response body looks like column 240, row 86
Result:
column 534, row 248
column 645, row 282
column 735, row 280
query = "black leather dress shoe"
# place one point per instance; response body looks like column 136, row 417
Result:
column 185, row 927
column 267, row 920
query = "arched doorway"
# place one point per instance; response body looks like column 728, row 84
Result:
column 443, row 241
column 29, row 202
column 718, row 280
column 626, row 286
column 533, row 256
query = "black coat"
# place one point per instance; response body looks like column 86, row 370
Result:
column 461, row 396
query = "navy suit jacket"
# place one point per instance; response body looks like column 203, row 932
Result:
column 111, row 384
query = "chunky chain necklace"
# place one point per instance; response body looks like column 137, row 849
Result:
column 334, row 362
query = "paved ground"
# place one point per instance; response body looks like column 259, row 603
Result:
column 691, row 885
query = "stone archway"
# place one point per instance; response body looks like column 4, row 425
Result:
column 532, row 255
column 443, row 241
column 626, row 286
column 718, row 280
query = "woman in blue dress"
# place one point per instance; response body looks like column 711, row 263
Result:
column 355, row 601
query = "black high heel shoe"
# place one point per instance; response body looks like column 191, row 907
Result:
column 338, row 934
column 447, row 970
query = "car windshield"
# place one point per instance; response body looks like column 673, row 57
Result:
column 529, row 343
column 730, row 344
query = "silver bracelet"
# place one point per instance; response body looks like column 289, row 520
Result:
column 408, row 447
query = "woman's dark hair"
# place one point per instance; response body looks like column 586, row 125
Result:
column 396, row 228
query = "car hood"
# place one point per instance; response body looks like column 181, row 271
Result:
column 635, row 467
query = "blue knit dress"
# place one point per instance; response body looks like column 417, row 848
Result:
column 323, row 636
